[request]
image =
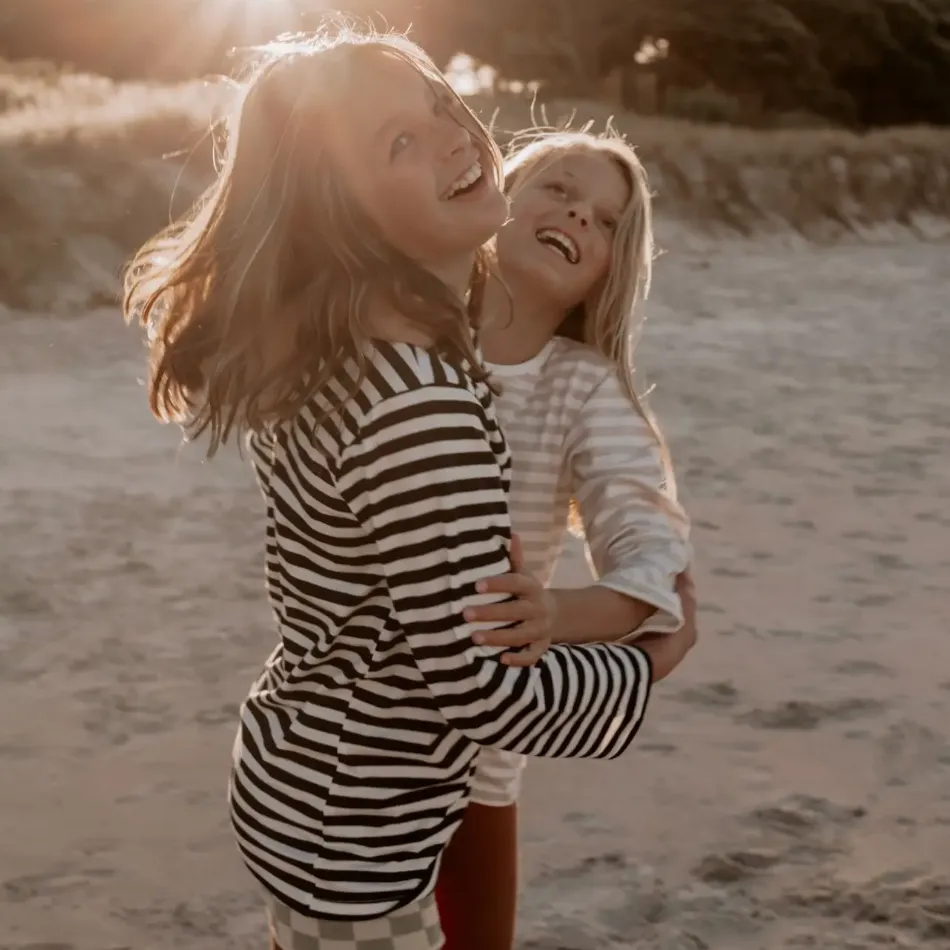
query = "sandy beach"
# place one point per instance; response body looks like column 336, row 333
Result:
column 792, row 786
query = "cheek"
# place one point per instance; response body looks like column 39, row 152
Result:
column 527, row 207
column 598, row 260
column 403, row 202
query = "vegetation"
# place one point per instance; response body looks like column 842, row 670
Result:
column 862, row 63
column 90, row 167
column 95, row 158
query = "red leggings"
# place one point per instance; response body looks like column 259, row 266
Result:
column 477, row 889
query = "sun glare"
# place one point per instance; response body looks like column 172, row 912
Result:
column 200, row 30
column 257, row 12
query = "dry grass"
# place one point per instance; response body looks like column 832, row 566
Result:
column 83, row 178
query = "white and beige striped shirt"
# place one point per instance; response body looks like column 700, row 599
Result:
column 574, row 434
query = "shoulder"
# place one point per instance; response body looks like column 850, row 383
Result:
column 586, row 380
column 411, row 395
column 394, row 368
column 580, row 363
column 402, row 375
column 391, row 379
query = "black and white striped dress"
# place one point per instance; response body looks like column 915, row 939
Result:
column 357, row 745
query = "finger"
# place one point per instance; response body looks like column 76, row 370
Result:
column 529, row 656
column 516, row 555
column 520, row 635
column 512, row 611
column 517, row 584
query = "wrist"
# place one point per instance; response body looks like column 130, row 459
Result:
column 556, row 608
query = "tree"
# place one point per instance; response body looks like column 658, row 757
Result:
column 751, row 49
column 911, row 82
column 871, row 62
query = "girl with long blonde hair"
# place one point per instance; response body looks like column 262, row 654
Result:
column 576, row 257
column 320, row 301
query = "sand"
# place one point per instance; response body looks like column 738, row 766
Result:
column 792, row 786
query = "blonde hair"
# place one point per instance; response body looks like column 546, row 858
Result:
column 256, row 297
column 610, row 319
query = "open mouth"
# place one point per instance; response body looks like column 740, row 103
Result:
column 467, row 183
column 560, row 242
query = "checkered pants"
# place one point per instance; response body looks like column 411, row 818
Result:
column 414, row 927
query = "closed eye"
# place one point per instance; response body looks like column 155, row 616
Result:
column 556, row 188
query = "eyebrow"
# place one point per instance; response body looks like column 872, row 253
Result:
column 387, row 128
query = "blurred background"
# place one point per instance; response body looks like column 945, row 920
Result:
column 862, row 63
column 791, row 787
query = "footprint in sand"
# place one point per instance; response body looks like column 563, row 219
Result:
column 798, row 815
column 716, row 695
column 891, row 911
column 735, row 866
column 115, row 717
column 225, row 713
column 804, row 714
column 908, row 750
column 862, row 668
column 791, row 832
column 57, row 884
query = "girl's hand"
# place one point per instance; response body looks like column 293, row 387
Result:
column 534, row 611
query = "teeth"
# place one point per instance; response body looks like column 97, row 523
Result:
column 561, row 242
column 467, row 180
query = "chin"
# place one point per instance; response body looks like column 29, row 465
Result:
column 497, row 201
column 487, row 219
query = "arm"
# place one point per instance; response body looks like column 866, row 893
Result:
column 596, row 614
column 425, row 484
column 637, row 536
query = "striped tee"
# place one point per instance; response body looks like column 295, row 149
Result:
column 357, row 744
column 574, row 434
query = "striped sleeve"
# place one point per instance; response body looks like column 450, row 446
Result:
column 637, row 535
column 424, row 482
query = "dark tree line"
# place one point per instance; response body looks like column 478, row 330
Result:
column 859, row 62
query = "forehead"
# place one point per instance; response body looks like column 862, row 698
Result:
column 381, row 85
column 597, row 174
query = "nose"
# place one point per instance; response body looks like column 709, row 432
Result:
column 455, row 138
column 580, row 215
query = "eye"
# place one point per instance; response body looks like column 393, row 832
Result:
column 556, row 188
column 609, row 224
column 400, row 142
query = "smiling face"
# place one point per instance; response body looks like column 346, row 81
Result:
column 418, row 164
column 559, row 237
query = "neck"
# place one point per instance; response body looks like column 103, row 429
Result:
column 456, row 274
column 518, row 324
column 397, row 328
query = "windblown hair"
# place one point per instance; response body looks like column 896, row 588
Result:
column 610, row 319
column 257, row 297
